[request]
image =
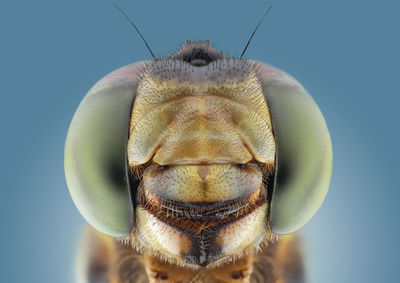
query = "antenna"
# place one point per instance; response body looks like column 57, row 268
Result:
column 134, row 26
column 259, row 23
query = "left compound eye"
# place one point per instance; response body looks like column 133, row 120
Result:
column 95, row 153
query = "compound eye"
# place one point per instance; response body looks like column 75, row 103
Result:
column 303, row 162
column 95, row 153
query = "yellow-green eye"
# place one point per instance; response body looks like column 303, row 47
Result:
column 303, row 162
column 95, row 153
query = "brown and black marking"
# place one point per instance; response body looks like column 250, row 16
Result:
column 200, row 221
column 113, row 261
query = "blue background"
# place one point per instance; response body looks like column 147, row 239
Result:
column 346, row 53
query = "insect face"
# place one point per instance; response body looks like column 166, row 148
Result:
column 198, row 158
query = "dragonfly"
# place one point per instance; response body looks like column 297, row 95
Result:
column 196, row 167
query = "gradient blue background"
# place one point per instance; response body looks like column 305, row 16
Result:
column 346, row 53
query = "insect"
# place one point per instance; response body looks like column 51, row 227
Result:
column 197, row 167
